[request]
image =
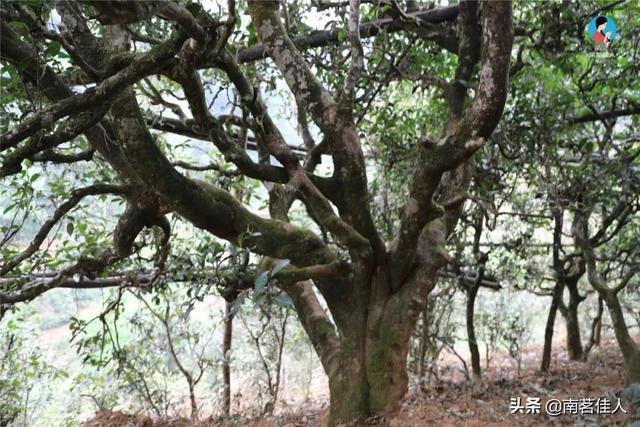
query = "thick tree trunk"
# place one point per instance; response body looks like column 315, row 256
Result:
column 349, row 390
column 356, row 395
column 368, row 374
column 387, row 373
column 630, row 350
column 570, row 314
column 348, row 385
column 574, row 342
column 551, row 320
column 632, row 366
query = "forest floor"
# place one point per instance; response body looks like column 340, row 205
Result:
column 453, row 401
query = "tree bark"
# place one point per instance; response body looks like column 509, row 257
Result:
column 633, row 368
column 630, row 350
column 226, row 361
column 424, row 337
column 472, row 292
column 570, row 314
column 574, row 343
column 551, row 320
column 471, row 334
column 356, row 394
column 349, row 390
column 596, row 326
column 368, row 371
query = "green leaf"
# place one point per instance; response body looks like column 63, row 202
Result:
column 283, row 300
column 52, row 49
column 82, row 227
column 342, row 34
column 8, row 208
column 70, row 228
column 19, row 27
column 261, row 282
column 279, row 265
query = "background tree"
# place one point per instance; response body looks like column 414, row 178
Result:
column 581, row 115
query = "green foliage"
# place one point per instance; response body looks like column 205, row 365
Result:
column 265, row 290
column 133, row 354
column 23, row 369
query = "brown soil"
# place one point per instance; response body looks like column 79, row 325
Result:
column 461, row 403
